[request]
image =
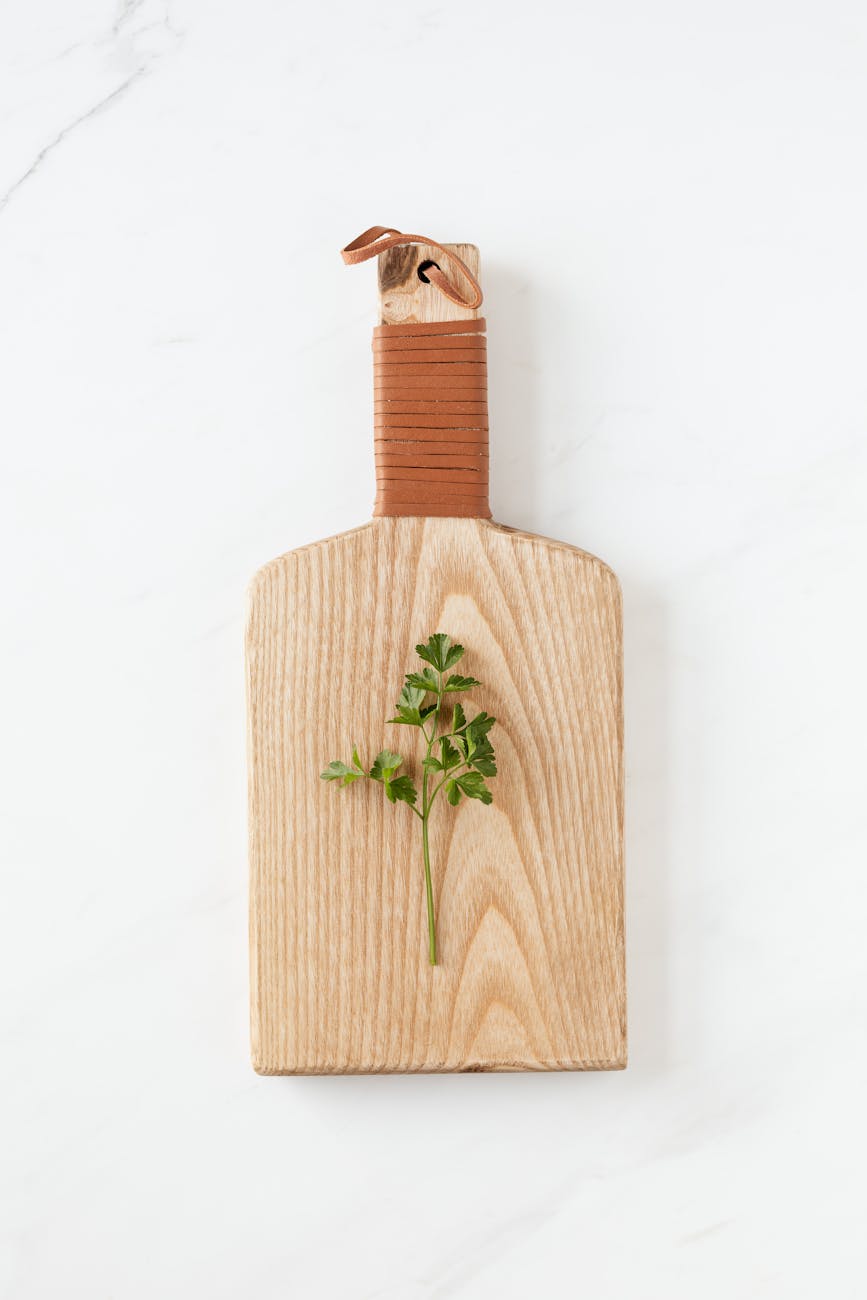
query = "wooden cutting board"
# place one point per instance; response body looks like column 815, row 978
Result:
column 529, row 891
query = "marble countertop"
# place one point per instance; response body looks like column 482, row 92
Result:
column 670, row 204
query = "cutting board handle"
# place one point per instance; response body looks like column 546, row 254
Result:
column 430, row 377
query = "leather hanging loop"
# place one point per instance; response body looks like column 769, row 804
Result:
column 378, row 239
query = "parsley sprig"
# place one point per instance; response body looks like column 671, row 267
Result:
column 458, row 752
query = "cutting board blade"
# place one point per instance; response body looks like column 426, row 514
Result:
column 529, row 891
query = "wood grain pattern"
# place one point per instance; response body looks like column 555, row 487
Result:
column 529, row 891
column 404, row 297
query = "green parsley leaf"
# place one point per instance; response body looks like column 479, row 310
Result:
column 408, row 703
column 437, row 651
column 451, row 756
column 453, row 793
column 402, row 789
column 455, row 653
column 473, row 786
column 410, row 697
column 458, row 683
column 483, row 757
column 337, row 771
column 385, row 765
column 459, row 720
column 426, row 680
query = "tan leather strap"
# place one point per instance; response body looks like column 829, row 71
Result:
column 431, row 419
column 379, row 238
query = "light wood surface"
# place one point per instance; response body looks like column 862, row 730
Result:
column 403, row 297
column 529, row 891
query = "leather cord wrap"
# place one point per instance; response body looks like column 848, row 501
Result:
column 378, row 239
column 430, row 392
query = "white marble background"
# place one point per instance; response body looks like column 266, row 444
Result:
column 671, row 203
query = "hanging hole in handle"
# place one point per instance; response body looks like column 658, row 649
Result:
column 426, row 266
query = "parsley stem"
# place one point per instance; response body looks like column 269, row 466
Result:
column 425, row 814
column 428, row 886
